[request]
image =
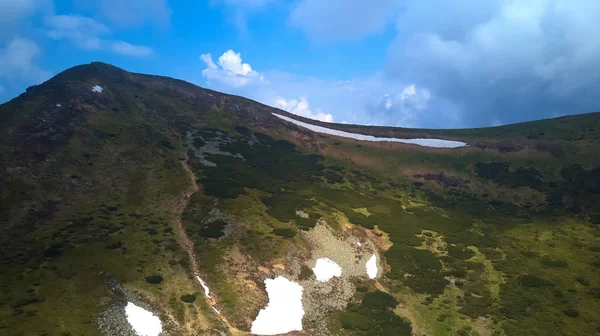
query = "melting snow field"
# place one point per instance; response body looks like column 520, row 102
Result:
column 284, row 312
column 143, row 322
column 326, row 269
column 436, row 143
column 372, row 267
column 203, row 284
column 97, row 88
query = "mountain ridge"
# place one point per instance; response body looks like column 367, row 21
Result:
column 500, row 237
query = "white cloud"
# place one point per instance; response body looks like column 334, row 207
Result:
column 81, row 30
column 18, row 61
column 239, row 11
column 479, row 59
column 127, row 49
column 335, row 20
column 12, row 10
column 357, row 100
column 230, row 70
column 87, row 34
column 302, row 108
column 512, row 59
column 128, row 13
column 1, row 89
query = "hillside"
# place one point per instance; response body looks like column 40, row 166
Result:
column 119, row 188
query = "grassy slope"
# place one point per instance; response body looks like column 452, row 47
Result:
column 77, row 184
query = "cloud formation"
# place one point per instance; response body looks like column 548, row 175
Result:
column 18, row 62
column 11, row 10
column 124, row 48
column 335, row 20
column 302, row 108
column 239, row 11
column 230, row 70
column 87, row 34
column 357, row 100
column 482, row 62
column 131, row 13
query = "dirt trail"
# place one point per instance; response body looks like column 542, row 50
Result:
column 187, row 244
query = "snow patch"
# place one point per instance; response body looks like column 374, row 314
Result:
column 359, row 244
column 203, row 284
column 436, row 143
column 58, row 105
column 143, row 322
column 284, row 311
column 372, row 267
column 326, row 269
column 216, row 310
column 97, row 88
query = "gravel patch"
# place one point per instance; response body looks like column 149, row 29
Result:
column 112, row 321
column 212, row 146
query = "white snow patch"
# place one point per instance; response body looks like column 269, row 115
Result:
column 284, row 312
column 372, row 267
column 143, row 322
column 326, row 269
column 203, row 284
column 58, row 105
column 97, row 88
column 359, row 244
column 216, row 310
column 436, row 143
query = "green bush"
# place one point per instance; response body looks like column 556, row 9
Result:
column 287, row 233
column 306, row 223
column 198, row 142
column 379, row 300
column 375, row 316
column 154, row 279
column 530, row 280
column 571, row 312
column 355, row 321
column 460, row 252
column 213, row 229
column 333, row 177
column 547, row 261
column 189, row 298
column 594, row 292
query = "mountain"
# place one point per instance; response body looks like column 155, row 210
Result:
column 128, row 197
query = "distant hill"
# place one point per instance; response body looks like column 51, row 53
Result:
column 121, row 189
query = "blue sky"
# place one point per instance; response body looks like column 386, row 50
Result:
column 411, row 63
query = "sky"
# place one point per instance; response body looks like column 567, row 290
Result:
column 409, row 63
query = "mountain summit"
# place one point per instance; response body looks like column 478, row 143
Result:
column 136, row 204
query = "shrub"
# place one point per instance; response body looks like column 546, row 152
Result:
column 571, row 312
column 287, row 233
column 154, row 279
column 305, row 273
column 583, row 281
column 529, row 280
column 547, row 261
column 26, row 301
column 306, row 223
column 355, row 321
column 594, row 292
column 333, row 177
column 459, row 252
column 379, row 300
column 189, row 298
column 213, row 229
